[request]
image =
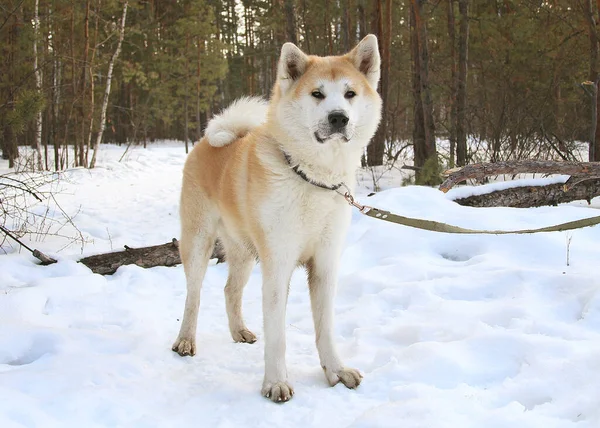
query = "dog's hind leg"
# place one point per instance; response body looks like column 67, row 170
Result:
column 241, row 261
column 198, row 233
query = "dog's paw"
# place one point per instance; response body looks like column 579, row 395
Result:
column 185, row 346
column 349, row 377
column 243, row 336
column 278, row 392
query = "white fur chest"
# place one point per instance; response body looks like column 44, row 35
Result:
column 299, row 218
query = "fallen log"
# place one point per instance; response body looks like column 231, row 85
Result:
column 146, row 257
column 535, row 196
column 482, row 170
column 157, row 255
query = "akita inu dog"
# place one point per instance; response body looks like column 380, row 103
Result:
column 264, row 180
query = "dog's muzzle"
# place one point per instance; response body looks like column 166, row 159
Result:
column 335, row 127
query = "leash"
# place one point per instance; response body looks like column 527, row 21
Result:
column 430, row 225
column 436, row 226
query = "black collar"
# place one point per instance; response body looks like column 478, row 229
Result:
column 302, row 174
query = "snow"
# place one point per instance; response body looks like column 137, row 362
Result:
column 448, row 330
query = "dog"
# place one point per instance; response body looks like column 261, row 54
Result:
column 267, row 179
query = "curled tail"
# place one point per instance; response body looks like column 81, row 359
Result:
column 236, row 121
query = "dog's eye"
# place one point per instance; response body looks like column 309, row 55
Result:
column 350, row 94
column 318, row 95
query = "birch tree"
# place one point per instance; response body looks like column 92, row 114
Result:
column 109, row 75
column 38, row 87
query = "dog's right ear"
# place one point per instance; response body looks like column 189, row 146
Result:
column 292, row 65
column 365, row 57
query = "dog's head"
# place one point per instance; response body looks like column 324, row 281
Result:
column 328, row 101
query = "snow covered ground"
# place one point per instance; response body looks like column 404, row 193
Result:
column 448, row 330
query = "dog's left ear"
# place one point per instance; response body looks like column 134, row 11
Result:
column 365, row 57
column 292, row 65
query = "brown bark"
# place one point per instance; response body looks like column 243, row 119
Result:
column 375, row 150
column 198, row 87
column 54, row 109
column 10, row 149
column 461, row 94
column 345, row 27
column 420, row 149
column 43, row 258
column 453, row 81
column 362, row 21
column 534, row 196
column 590, row 17
column 595, row 155
column 593, row 152
column 92, row 103
column 76, row 144
column 423, row 129
column 482, row 170
column 290, row 22
column 185, row 97
column 146, row 257
column 81, row 161
column 588, row 11
column 327, row 25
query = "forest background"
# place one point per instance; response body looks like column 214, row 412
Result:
column 462, row 80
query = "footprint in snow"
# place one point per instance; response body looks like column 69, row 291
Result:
column 27, row 350
column 459, row 253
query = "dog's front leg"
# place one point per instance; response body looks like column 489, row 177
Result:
column 276, row 278
column 322, row 281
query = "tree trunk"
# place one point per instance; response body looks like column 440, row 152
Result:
column 108, row 82
column 594, row 149
column 290, row 22
column 10, row 149
column 376, row 150
column 593, row 152
column 327, row 25
column 86, row 36
column 92, row 111
column 198, row 86
column 186, row 130
column 453, row 82
column 38, row 86
column 461, row 94
column 185, row 123
column 9, row 146
column 345, row 25
column 420, row 147
column 55, row 100
column 424, row 129
column 76, row 143
column 362, row 22
column 596, row 119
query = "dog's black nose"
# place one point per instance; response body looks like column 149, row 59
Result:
column 337, row 120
